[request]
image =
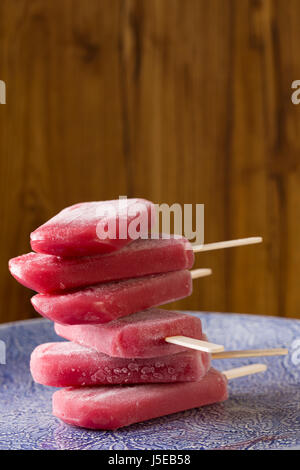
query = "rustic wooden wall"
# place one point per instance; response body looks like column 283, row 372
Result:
column 173, row 100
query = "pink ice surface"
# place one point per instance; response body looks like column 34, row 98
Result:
column 103, row 303
column 67, row 364
column 141, row 334
column 112, row 407
column 94, row 227
column 48, row 274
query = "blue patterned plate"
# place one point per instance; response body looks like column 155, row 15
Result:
column 263, row 411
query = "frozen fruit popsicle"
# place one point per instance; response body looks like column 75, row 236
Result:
column 94, row 227
column 47, row 273
column 112, row 407
column 106, row 302
column 67, row 364
column 141, row 334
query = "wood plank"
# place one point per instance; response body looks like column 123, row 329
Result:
column 175, row 101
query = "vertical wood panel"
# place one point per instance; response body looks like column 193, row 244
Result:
column 174, row 100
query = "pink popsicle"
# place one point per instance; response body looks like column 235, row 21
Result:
column 106, row 302
column 141, row 334
column 69, row 364
column 112, row 407
column 47, row 273
column 94, row 227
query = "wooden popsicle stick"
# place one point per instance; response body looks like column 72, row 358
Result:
column 202, row 272
column 193, row 343
column 227, row 244
column 250, row 353
column 245, row 370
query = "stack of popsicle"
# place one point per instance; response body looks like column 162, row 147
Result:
column 125, row 361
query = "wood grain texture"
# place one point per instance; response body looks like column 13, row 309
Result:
column 173, row 100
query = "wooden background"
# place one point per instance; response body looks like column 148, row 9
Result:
column 173, row 100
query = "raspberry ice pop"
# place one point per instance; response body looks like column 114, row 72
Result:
column 94, row 227
column 67, row 364
column 106, row 302
column 112, row 407
column 47, row 273
column 141, row 334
